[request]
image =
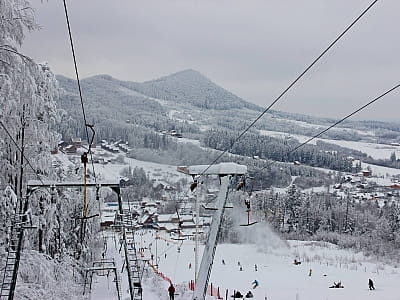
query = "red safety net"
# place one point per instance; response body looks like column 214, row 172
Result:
column 211, row 290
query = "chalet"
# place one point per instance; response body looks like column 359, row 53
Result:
column 172, row 133
column 366, row 173
column 183, row 169
column 123, row 147
column 76, row 141
column 110, row 148
column 71, row 149
column 148, row 221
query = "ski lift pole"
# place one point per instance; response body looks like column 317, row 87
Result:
column 84, row 160
column 196, row 238
column 210, row 247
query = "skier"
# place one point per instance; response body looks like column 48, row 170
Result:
column 171, row 291
column 310, row 272
column 223, row 262
column 190, row 266
column 240, row 268
column 337, row 285
column 255, row 268
column 255, row 283
column 371, row 284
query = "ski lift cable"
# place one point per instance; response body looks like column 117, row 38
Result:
column 335, row 124
column 20, row 150
column 87, row 125
column 289, row 86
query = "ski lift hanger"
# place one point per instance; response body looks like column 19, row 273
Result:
column 248, row 210
column 241, row 185
column 32, row 184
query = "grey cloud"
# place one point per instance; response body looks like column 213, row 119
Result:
column 252, row 48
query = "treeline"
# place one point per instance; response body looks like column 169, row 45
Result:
column 360, row 225
column 267, row 147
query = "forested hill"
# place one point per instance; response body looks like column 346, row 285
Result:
column 192, row 87
column 185, row 87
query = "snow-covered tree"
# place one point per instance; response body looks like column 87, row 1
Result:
column 27, row 105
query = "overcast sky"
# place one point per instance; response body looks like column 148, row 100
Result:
column 253, row 48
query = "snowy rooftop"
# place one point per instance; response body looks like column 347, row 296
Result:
column 219, row 169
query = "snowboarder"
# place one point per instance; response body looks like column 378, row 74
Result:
column 171, row 291
column 255, row 283
column 255, row 268
column 337, row 285
column 371, row 284
column 310, row 272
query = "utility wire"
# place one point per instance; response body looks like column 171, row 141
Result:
column 289, row 87
column 20, row 150
column 79, row 84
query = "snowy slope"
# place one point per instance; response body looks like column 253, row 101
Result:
column 377, row 151
column 279, row 278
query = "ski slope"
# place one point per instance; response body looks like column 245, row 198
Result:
column 280, row 279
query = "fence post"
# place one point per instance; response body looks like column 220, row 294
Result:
column 211, row 289
column 226, row 294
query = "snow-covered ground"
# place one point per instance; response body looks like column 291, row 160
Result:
column 278, row 277
column 377, row 151
column 154, row 170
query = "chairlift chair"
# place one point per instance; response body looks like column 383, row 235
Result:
column 180, row 237
column 248, row 210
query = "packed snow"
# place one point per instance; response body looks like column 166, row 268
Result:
column 270, row 262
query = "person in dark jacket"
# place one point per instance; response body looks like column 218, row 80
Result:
column 255, row 283
column 171, row 292
column 249, row 294
column 371, row 284
column 237, row 295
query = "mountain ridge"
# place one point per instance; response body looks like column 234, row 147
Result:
column 186, row 86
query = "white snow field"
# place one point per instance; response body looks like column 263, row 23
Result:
column 377, row 151
column 157, row 171
column 278, row 277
